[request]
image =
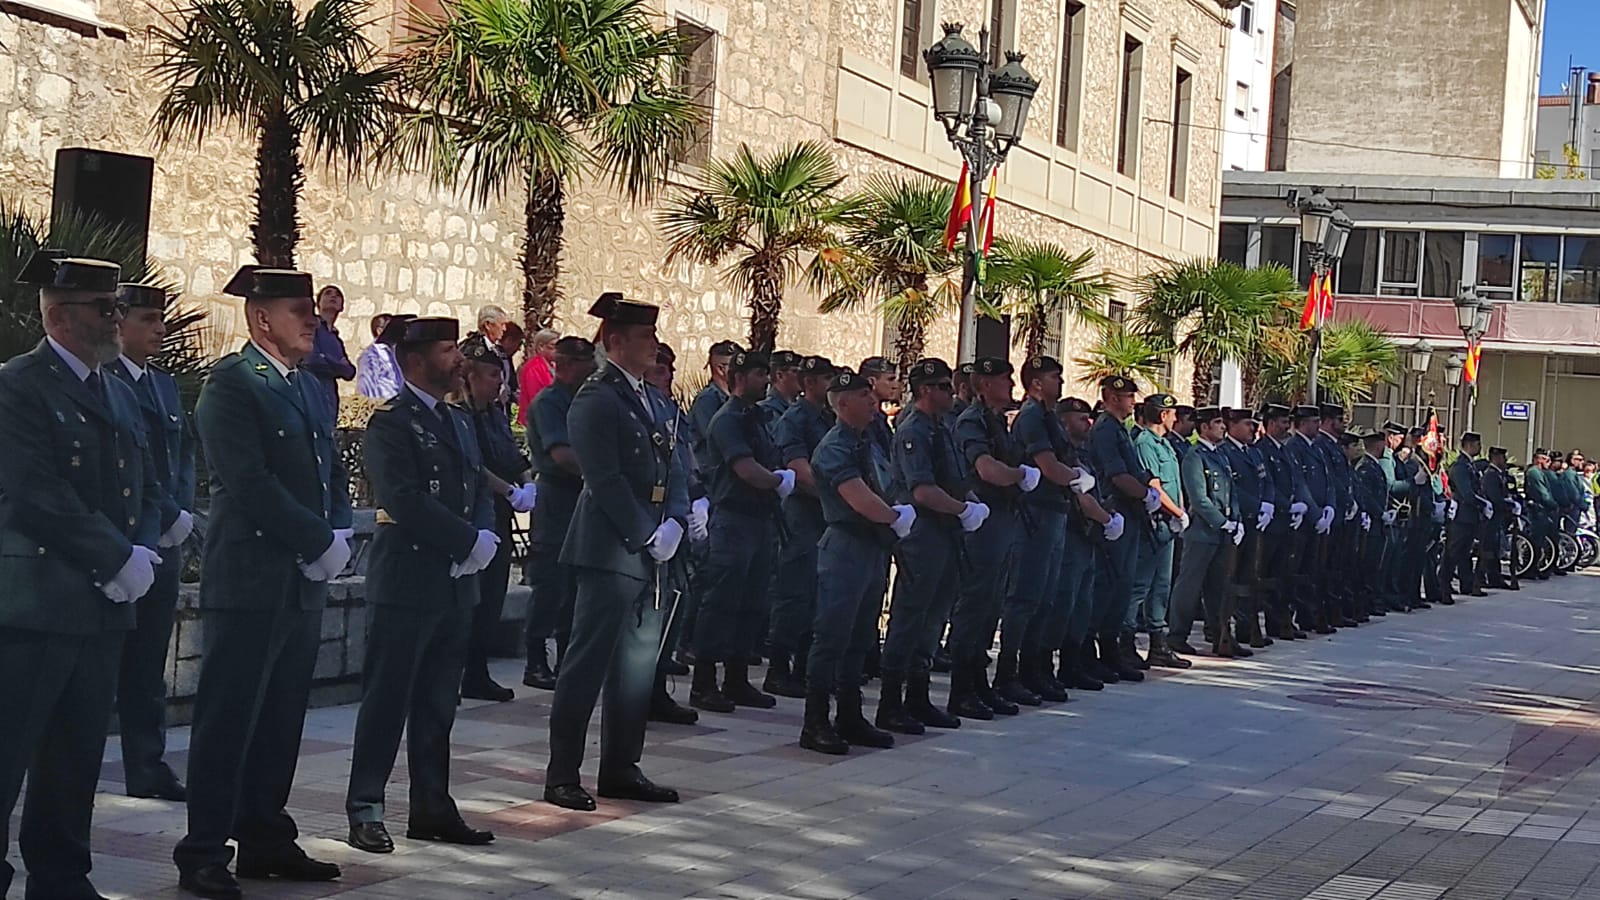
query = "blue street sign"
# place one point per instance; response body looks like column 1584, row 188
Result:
column 1514, row 410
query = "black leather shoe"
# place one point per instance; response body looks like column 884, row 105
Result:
column 538, row 675
column 457, row 832
column 743, row 693
column 668, row 710
column 213, row 882
column 711, row 701
column 370, row 837
column 163, row 785
column 638, row 788
column 569, row 796
column 486, row 689
column 290, row 864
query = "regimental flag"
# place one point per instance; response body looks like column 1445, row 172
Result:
column 1319, row 302
column 960, row 209
column 988, row 211
column 1430, row 441
column 1474, row 356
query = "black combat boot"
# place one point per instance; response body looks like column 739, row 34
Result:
column 704, row 693
column 736, row 687
column 1074, row 671
column 1039, row 676
column 537, row 673
column 987, row 695
column 780, row 680
column 1007, row 682
column 665, row 709
column 964, row 702
column 853, row 727
column 1092, row 666
column 1111, row 657
column 1163, row 656
column 892, row 714
column 817, row 733
column 920, row 706
column 1129, row 649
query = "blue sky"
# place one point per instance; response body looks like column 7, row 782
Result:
column 1572, row 29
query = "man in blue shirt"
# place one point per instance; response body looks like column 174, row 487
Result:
column 328, row 360
column 1285, row 488
column 1129, row 491
column 1313, row 535
column 1256, row 512
column 1091, row 528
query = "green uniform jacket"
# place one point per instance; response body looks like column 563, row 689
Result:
column 77, row 490
column 1161, row 461
column 1208, row 486
column 427, row 479
column 631, row 476
column 278, row 486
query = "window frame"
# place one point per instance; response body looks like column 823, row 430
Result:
column 698, row 152
column 1182, row 120
column 1130, row 106
column 1069, row 75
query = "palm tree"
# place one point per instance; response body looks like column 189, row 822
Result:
column 539, row 94
column 893, row 259
column 292, row 83
column 1121, row 351
column 1211, row 311
column 1038, row 281
column 1355, row 357
column 760, row 215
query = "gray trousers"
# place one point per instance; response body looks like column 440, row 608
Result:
column 849, row 599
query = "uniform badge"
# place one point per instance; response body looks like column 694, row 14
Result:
column 433, row 487
column 61, row 417
column 76, row 462
column 910, row 446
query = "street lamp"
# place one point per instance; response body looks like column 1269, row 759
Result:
column 1452, row 378
column 983, row 114
column 1325, row 231
column 1473, row 315
column 1419, row 361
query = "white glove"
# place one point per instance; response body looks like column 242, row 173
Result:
column 1265, row 518
column 181, row 528
column 1452, row 513
column 1181, row 524
column 478, row 559
column 523, row 498
column 1389, row 516
column 333, row 560
column 700, row 519
column 1439, row 507
column 134, row 579
column 1351, row 512
column 1324, row 522
column 1366, row 522
column 1488, row 506
column 785, row 483
column 1084, row 483
column 973, row 516
column 1235, row 530
column 1297, row 508
column 1296, row 519
column 1115, row 527
column 1327, row 513
column 1421, row 477
column 663, row 544
column 1516, row 507
column 1030, row 478
column 905, row 516
column 1152, row 500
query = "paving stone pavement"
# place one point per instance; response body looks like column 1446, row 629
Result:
column 1446, row 755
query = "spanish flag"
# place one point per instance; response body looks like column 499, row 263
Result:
column 960, row 209
column 988, row 211
column 1474, row 356
column 1431, row 444
column 1319, row 302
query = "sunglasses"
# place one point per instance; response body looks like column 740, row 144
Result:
column 942, row 386
column 106, row 307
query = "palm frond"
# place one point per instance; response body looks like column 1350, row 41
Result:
column 1355, row 358
column 1120, row 350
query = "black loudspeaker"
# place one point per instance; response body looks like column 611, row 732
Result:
column 994, row 336
column 113, row 186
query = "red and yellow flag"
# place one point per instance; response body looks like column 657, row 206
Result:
column 960, row 209
column 1319, row 302
column 988, row 211
column 1474, row 356
column 1430, row 441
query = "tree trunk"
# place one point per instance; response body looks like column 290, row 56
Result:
column 1203, row 382
column 1035, row 340
column 911, row 335
column 279, row 177
column 766, row 305
column 541, row 251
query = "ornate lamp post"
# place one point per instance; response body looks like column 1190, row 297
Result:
column 1452, row 378
column 1473, row 315
column 1325, row 231
column 1419, row 360
column 983, row 113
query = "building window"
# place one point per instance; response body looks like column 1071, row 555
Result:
column 1540, row 268
column 1580, row 270
column 1117, row 311
column 1128, row 114
column 1070, row 82
column 1497, row 266
column 911, row 38
column 1280, row 244
column 1400, row 274
column 1241, row 100
column 1442, row 255
column 417, row 16
column 1182, row 112
column 1233, row 243
column 697, row 78
column 1247, row 18
column 1358, row 270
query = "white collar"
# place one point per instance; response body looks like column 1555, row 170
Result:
column 1371, row 457
column 637, row 384
column 134, row 369
column 1207, row 444
column 78, row 367
column 428, row 400
column 276, row 362
column 1303, row 436
column 1275, row 441
column 1235, row 441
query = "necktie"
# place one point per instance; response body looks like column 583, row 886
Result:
column 96, row 388
column 292, row 376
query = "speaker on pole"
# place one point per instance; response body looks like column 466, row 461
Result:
column 994, row 337
column 112, row 186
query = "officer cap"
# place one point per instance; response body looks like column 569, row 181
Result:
column 1555, row 455
column 1237, row 415
column 749, row 361
column 1497, row 451
column 991, row 365
column 878, row 365
column 1121, row 384
column 724, row 348
column 1073, row 405
column 261, row 283
column 1331, row 411
column 817, row 367
column 964, row 370
column 1418, row 432
column 55, row 269
column 1371, row 437
column 1306, row 412
column 1156, row 402
column 929, row 371
column 1471, row 437
column 1393, row 427
column 1040, row 365
column 1541, row 452
column 665, row 355
column 1187, row 411
column 430, row 329
column 616, row 309
column 141, row 296
column 844, row 381
column 395, row 328
column 1276, row 411
column 573, row 347
column 1206, row 413
column 784, row 359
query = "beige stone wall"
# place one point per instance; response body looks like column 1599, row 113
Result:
column 394, row 243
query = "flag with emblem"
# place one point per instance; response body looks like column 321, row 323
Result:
column 1430, row 440
column 960, row 209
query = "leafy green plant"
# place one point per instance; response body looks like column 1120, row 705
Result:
column 1355, row 357
column 1119, row 350
column 1037, row 281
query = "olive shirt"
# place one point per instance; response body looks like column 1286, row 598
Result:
column 1161, row 461
column 1208, row 486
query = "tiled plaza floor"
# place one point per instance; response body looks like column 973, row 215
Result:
column 1450, row 753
